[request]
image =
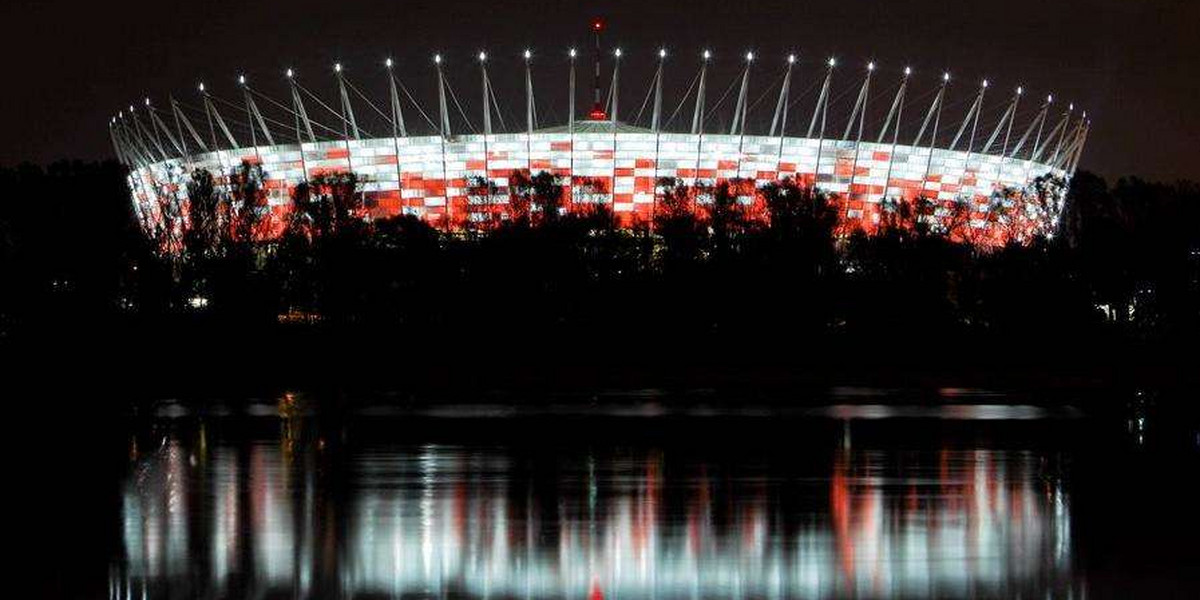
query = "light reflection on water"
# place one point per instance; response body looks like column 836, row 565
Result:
column 295, row 515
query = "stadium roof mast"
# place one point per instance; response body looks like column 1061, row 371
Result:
column 935, row 112
column 486, row 85
column 215, row 116
column 656, row 114
column 530, row 108
column 1063, row 158
column 1005, row 124
column 859, row 112
column 738, row 125
column 398, row 129
column 156, row 137
column 443, row 111
column 739, row 112
column 571, row 94
column 349, row 123
column 181, row 121
column 780, row 118
column 598, row 113
column 613, row 90
column 972, row 118
column 254, row 114
column 821, row 110
column 298, row 110
column 571, row 112
column 149, row 141
column 530, row 125
column 698, row 113
column 897, row 111
column 158, row 123
column 210, row 110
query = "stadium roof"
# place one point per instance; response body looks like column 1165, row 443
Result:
column 588, row 126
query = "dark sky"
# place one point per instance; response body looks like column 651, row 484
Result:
column 1131, row 64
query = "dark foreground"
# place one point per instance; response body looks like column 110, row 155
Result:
column 850, row 492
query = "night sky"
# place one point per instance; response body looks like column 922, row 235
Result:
column 1131, row 64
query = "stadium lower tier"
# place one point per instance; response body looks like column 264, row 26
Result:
column 439, row 179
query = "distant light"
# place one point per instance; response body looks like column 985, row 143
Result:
column 202, row 87
column 1071, row 107
column 662, row 52
column 791, row 58
column 121, row 114
column 482, row 56
column 871, row 66
column 1049, row 98
column 290, row 73
column 528, row 55
column 242, row 79
column 907, row 71
column 985, row 83
column 337, row 67
column 749, row 56
column 437, row 59
column 571, row 53
column 832, row 61
column 147, row 101
column 1020, row 90
column 131, row 109
column 707, row 55
column 946, row 76
column 617, row 53
column 388, row 63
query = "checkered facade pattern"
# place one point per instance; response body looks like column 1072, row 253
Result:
column 437, row 178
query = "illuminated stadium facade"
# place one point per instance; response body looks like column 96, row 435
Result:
column 981, row 170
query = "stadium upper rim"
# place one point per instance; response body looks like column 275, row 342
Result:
column 948, row 158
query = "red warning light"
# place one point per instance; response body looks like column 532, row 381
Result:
column 597, row 24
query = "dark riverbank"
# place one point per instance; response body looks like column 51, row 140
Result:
column 182, row 358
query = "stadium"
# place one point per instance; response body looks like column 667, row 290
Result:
column 999, row 177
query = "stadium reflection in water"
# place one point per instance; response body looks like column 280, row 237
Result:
column 209, row 518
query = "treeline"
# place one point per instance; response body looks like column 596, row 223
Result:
column 704, row 278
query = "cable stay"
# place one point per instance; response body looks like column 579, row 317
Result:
column 698, row 112
column 822, row 108
column 972, row 119
column 1035, row 124
column 860, row 106
column 1005, row 120
column 738, row 125
column 214, row 116
column 933, row 114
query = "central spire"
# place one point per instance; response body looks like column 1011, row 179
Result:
column 598, row 113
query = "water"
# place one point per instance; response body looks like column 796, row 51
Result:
column 640, row 499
